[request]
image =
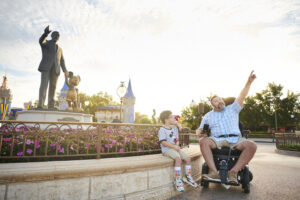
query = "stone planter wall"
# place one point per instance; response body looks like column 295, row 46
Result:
column 139, row 177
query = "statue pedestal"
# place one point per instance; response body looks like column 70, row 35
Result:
column 53, row 116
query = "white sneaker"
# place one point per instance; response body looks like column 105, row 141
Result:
column 189, row 180
column 178, row 185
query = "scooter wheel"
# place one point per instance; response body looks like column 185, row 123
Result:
column 250, row 176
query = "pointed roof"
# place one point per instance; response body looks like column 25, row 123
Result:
column 129, row 92
column 65, row 87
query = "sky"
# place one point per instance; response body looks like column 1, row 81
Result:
column 174, row 51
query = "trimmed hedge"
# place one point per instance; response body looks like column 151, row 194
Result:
column 290, row 147
column 260, row 135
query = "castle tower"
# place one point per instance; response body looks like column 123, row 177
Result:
column 128, row 105
column 62, row 99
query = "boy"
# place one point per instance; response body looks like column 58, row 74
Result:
column 168, row 138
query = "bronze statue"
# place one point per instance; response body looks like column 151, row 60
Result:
column 72, row 94
column 5, row 99
column 52, row 60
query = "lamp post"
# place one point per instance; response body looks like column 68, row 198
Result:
column 192, row 104
column 292, row 117
column 86, row 104
column 201, row 111
column 192, row 107
column 275, row 121
column 275, row 113
column 121, row 90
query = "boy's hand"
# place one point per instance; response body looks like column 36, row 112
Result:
column 179, row 125
column 176, row 148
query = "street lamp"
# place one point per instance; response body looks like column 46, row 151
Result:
column 121, row 90
column 192, row 104
column 275, row 113
column 86, row 103
column 275, row 107
column 292, row 117
column 193, row 113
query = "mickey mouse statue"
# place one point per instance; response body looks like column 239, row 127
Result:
column 72, row 94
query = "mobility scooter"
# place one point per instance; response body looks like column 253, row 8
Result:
column 225, row 158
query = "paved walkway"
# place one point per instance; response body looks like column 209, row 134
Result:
column 275, row 177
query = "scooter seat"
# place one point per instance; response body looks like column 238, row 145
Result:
column 225, row 151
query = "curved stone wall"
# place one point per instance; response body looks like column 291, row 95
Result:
column 138, row 177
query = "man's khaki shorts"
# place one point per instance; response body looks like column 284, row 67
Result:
column 225, row 143
column 171, row 153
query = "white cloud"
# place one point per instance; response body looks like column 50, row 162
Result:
column 173, row 50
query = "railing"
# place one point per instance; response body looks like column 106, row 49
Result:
column 35, row 140
column 286, row 139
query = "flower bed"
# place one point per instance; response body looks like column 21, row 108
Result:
column 20, row 142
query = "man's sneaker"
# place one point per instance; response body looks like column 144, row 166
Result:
column 232, row 177
column 189, row 180
column 212, row 175
column 178, row 185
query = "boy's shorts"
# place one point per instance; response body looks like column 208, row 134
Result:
column 225, row 143
column 171, row 153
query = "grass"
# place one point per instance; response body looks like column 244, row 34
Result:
column 194, row 141
column 290, row 147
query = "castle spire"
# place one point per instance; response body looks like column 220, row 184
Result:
column 129, row 92
column 128, row 106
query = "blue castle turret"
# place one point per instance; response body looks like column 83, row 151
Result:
column 128, row 106
column 62, row 99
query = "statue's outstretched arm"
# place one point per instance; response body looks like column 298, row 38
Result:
column 42, row 39
column 66, row 79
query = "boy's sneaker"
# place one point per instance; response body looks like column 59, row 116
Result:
column 178, row 185
column 212, row 175
column 189, row 180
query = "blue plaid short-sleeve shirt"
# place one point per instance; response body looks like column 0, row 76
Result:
column 225, row 122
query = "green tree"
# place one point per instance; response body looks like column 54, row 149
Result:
column 192, row 116
column 269, row 101
column 141, row 118
column 94, row 101
column 83, row 99
column 259, row 110
column 36, row 102
column 289, row 106
column 251, row 115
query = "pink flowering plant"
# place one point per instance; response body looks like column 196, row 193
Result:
column 28, row 141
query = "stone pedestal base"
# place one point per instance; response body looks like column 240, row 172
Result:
column 52, row 116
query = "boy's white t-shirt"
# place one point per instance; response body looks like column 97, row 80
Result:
column 168, row 135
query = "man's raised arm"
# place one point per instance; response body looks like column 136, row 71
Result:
column 245, row 90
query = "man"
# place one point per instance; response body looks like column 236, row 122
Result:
column 52, row 60
column 223, row 122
